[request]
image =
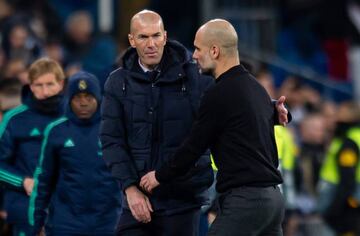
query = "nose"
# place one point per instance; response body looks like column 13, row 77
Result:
column 194, row 56
column 46, row 92
column 83, row 102
column 151, row 42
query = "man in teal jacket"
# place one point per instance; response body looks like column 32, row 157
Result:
column 21, row 133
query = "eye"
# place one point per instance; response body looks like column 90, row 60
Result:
column 142, row 37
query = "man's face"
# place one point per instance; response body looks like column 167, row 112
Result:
column 46, row 86
column 84, row 105
column 202, row 55
column 149, row 40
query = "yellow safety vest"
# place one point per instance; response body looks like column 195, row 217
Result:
column 329, row 170
column 286, row 147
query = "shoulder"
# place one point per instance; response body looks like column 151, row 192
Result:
column 12, row 116
column 115, row 79
column 15, row 112
column 55, row 126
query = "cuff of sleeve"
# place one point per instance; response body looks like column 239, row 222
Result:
column 127, row 184
column 162, row 176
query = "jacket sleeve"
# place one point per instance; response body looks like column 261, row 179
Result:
column 45, row 181
column 204, row 130
column 113, row 135
column 9, row 174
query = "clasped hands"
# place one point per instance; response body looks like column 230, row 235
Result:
column 139, row 203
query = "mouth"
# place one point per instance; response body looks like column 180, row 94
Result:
column 151, row 54
column 84, row 113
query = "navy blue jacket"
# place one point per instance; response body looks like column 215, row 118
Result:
column 72, row 182
column 21, row 133
column 146, row 117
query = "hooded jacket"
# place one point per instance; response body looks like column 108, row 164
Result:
column 21, row 133
column 72, row 181
column 146, row 116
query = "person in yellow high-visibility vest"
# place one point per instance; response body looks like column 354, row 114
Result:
column 338, row 200
column 287, row 151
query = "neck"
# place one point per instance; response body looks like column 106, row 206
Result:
column 225, row 65
column 146, row 67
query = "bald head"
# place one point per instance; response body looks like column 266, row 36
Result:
column 148, row 37
column 221, row 33
column 216, row 48
column 144, row 18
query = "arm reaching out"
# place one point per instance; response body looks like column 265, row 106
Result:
column 282, row 111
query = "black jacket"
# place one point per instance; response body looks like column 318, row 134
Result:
column 236, row 120
column 145, row 118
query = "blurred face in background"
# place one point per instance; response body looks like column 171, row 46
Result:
column 329, row 111
column 79, row 27
column 84, row 105
column 46, row 86
column 18, row 36
column 16, row 68
column 267, row 81
column 313, row 129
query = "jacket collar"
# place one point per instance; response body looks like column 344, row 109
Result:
column 170, row 68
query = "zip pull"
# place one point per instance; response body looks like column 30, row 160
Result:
column 123, row 87
column 183, row 87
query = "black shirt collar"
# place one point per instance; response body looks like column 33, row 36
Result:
column 233, row 71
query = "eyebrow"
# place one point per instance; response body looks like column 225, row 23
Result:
column 152, row 35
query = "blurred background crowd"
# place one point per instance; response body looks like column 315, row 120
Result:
column 307, row 50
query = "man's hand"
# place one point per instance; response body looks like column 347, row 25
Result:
column 42, row 232
column 139, row 204
column 3, row 215
column 282, row 111
column 28, row 185
column 148, row 182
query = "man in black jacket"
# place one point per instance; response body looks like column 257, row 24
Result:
column 148, row 108
column 236, row 122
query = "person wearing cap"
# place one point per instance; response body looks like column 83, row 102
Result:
column 21, row 133
column 74, row 192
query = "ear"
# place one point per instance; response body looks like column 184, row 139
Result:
column 131, row 40
column 31, row 88
column 165, row 37
column 214, row 51
column 62, row 83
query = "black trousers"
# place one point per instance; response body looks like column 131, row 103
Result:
column 184, row 224
column 249, row 211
